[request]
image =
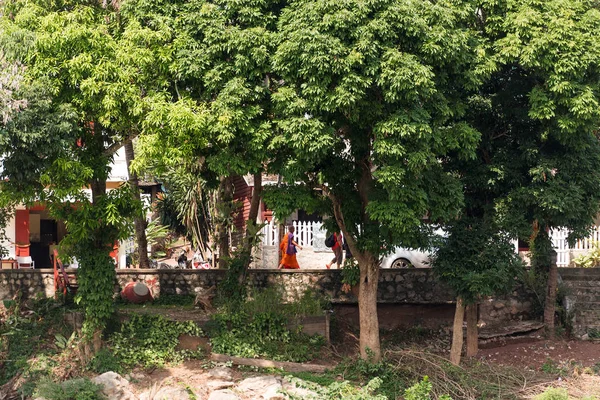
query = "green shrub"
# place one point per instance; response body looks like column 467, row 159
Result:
column 421, row 391
column 28, row 340
column 104, row 361
column 75, row 389
column 258, row 327
column 339, row 390
column 263, row 334
column 151, row 340
column 553, row 394
column 361, row 371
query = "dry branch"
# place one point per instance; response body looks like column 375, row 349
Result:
column 258, row 362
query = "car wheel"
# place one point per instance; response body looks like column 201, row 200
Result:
column 402, row 263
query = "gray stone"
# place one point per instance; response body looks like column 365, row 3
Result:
column 225, row 394
column 171, row 393
column 259, row 385
column 219, row 384
column 223, row 373
column 114, row 386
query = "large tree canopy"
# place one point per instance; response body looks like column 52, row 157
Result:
column 88, row 81
column 538, row 161
column 374, row 96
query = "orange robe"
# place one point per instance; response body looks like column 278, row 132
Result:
column 288, row 260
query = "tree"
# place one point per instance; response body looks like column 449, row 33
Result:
column 544, row 114
column 221, row 66
column 374, row 96
column 89, row 80
column 476, row 260
column 538, row 159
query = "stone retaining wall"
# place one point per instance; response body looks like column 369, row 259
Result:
column 409, row 286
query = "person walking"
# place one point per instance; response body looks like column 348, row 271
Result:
column 337, row 251
column 288, row 251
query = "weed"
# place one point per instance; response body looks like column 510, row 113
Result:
column 75, row 389
column 104, row 361
column 362, row 371
column 29, row 339
column 553, row 368
column 151, row 340
column 594, row 333
column 422, row 391
column 259, row 327
column 337, row 390
column 553, row 394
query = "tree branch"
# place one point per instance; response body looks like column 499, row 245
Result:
column 112, row 149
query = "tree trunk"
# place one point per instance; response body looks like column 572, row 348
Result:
column 550, row 306
column 139, row 221
column 457, row 333
column 367, row 307
column 472, row 334
column 370, row 348
column 252, row 217
column 225, row 196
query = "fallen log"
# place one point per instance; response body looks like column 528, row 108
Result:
column 258, row 362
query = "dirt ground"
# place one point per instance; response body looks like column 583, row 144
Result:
column 535, row 353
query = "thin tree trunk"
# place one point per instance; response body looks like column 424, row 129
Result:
column 370, row 347
column 457, row 333
column 550, row 305
column 139, row 221
column 367, row 307
column 472, row 334
column 225, row 197
column 252, row 217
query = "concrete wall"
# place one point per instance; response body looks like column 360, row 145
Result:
column 396, row 287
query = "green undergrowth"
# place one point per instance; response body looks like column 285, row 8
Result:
column 267, row 326
column 149, row 341
column 31, row 340
column 180, row 301
column 74, row 389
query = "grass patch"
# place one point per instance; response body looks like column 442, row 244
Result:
column 29, row 340
column 74, row 389
column 151, row 341
column 259, row 327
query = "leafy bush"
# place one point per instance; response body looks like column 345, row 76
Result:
column 421, row 391
column 259, row 327
column 151, row 340
column 23, row 334
column 104, row 361
column 339, row 390
column 264, row 334
column 591, row 259
column 553, row 394
column 362, row 371
column 75, row 389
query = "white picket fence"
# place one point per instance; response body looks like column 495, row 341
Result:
column 559, row 240
column 305, row 236
column 303, row 231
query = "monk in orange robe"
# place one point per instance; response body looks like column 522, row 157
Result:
column 288, row 251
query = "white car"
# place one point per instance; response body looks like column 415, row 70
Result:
column 411, row 258
column 406, row 258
